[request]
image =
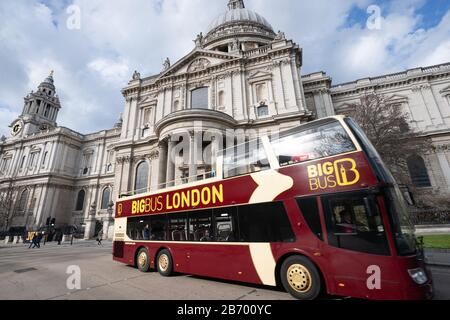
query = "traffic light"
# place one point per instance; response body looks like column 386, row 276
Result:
column 53, row 222
column 48, row 221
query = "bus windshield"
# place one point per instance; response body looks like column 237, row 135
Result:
column 314, row 143
column 403, row 228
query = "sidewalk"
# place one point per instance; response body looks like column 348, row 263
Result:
column 78, row 242
column 438, row 257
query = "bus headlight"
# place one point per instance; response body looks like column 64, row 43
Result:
column 418, row 275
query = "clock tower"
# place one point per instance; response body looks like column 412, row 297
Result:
column 40, row 110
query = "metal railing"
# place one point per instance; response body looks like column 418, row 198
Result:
column 171, row 183
column 430, row 216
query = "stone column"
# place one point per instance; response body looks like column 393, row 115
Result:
column 108, row 223
column 214, row 150
column 89, row 231
column 192, row 157
column 170, row 173
column 162, row 164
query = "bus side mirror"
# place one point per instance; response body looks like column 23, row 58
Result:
column 369, row 203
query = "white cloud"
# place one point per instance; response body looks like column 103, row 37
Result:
column 112, row 72
column 117, row 37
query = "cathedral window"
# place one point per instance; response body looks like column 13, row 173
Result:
column 261, row 92
column 22, row 163
column 418, row 172
column 199, row 98
column 80, row 200
column 141, row 181
column 33, row 160
column 263, row 111
column 87, row 157
column 106, row 197
column 22, row 204
column 44, row 159
column 146, row 116
column 47, row 110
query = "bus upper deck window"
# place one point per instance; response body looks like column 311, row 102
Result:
column 322, row 141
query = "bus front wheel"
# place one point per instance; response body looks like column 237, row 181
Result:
column 143, row 260
column 300, row 278
column 164, row 263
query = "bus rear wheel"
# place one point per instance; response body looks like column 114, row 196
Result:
column 301, row 278
column 164, row 263
column 143, row 260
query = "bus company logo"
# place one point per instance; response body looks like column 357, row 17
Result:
column 181, row 200
column 119, row 209
column 326, row 175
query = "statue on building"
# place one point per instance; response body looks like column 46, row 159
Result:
column 280, row 36
column 3, row 138
column 119, row 122
column 136, row 75
column 235, row 45
column 166, row 64
column 199, row 40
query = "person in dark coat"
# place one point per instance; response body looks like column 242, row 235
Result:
column 59, row 237
column 33, row 241
column 100, row 237
column 38, row 240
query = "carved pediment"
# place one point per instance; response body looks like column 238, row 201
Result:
column 148, row 100
column 199, row 64
column 198, row 60
column 259, row 75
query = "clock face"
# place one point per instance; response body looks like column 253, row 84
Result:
column 16, row 128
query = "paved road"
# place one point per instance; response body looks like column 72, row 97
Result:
column 41, row 274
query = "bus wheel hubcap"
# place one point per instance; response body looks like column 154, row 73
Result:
column 299, row 278
column 163, row 263
column 142, row 259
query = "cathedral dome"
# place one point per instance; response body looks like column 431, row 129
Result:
column 238, row 23
column 237, row 16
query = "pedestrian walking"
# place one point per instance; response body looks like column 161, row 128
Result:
column 33, row 241
column 38, row 240
column 100, row 237
column 59, row 237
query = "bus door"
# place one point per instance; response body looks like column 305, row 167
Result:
column 358, row 251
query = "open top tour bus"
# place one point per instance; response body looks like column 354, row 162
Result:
column 314, row 210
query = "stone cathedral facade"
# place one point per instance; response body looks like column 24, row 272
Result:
column 241, row 76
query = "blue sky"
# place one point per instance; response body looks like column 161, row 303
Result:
column 116, row 37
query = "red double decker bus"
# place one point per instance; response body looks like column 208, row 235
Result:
column 314, row 209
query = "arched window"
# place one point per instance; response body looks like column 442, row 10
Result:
column 22, row 204
column 44, row 158
column 141, row 182
column 261, row 92
column 80, row 200
column 199, row 98
column 106, row 197
column 221, row 99
column 418, row 171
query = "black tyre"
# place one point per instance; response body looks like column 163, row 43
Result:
column 301, row 278
column 164, row 263
column 143, row 260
